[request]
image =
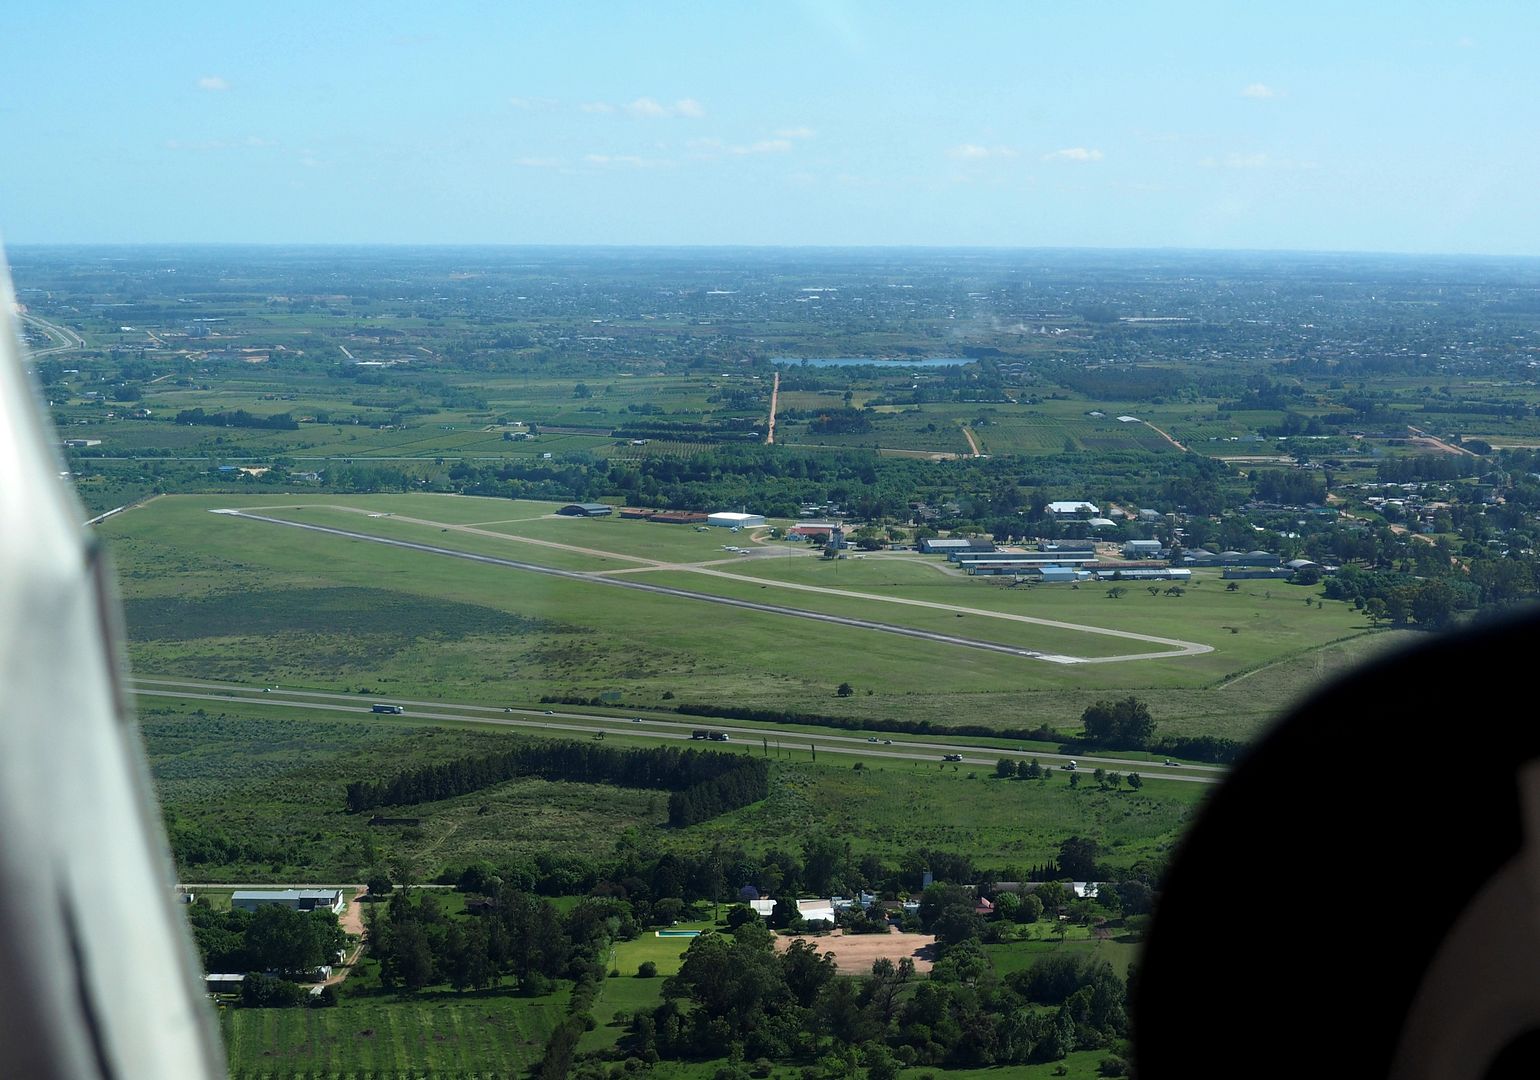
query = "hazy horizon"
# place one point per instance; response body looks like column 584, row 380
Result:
column 1389, row 129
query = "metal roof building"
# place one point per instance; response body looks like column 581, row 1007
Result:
column 728, row 519
column 298, row 899
column 586, row 510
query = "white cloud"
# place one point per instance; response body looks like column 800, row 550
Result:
column 763, row 146
column 213, row 83
column 796, row 133
column 629, row 161
column 652, row 109
column 1259, row 90
column 975, row 152
column 1238, row 161
column 1255, row 161
column 249, row 142
column 1074, row 153
column 713, row 149
column 596, row 107
column 1466, row 42
column 648, row 107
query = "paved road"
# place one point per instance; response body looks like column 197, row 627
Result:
column 902, row 749
column 66, row 337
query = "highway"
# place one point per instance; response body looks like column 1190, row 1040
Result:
column 66, row 338
column 650, row 727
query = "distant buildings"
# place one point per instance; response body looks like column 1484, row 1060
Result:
column 1072, row 508
column 667, row 517
column 586, row 510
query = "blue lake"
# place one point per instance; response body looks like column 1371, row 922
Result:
column 858, row 361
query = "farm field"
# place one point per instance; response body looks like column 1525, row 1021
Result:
column 439, row 1034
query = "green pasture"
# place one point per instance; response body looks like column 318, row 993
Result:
column 1081, row 942
column 277, row 777
column 436, row 1034
column 624, row 995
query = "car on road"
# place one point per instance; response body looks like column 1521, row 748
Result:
column 887, row 742
column 1068, row 766
column 1173, row 764
column 636, row 719
column 871, row 738
column 548, row 712
column 508, row 709
column 951, row 757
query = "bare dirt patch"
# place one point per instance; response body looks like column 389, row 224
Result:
column 854, row 953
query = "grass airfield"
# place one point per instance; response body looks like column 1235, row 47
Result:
column 210, row 595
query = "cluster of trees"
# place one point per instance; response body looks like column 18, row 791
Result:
column 1292, row 487
column 1125, row 724
column 846, row 421
column 1017, row 769
column 728, row 790
column 271, row 938
column 705, row 783
column 237, row 418
column 520, row 936
column 1397, row 598
column 199, row 844
column 735, row 994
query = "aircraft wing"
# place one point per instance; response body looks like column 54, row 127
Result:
column 97, row 972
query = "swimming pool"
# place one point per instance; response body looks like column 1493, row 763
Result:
column 678, row 933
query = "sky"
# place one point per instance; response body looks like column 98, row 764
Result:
column 1394, row 127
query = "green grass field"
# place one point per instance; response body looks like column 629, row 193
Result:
column 439, row 1035
column 212, row 596
column 625, row 994
column 278, row 777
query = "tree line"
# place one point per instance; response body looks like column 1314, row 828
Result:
column 237, row 418
column 705, row 783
